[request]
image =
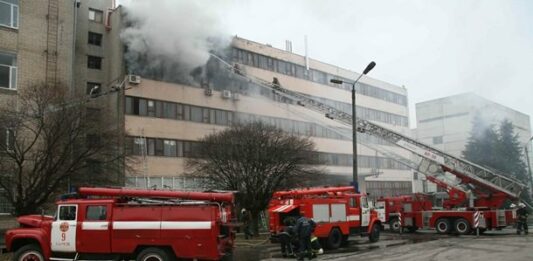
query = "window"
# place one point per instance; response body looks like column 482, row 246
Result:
column 7, row 140
column 93, row 88
column 95, row 38
column 95, row 15
column 170, row 110
column 151, row 147
column 8, row 70
column 170, row 148
column 129, row 105
column 9, row 13
column 94, row 62
column 96, row 213
column 142, row 107
column 196, row 114
column 67, row 212
column 151, row 108
column 437, row 140
column 159, row 147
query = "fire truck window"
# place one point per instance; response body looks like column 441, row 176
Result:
column 96, row 213
column 353, row 203
column 364, row 202
column 67, row 213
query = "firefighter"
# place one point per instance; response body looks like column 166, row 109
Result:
column 246, row 219
column 522, row 214
column 304, row 228
column 287, row 238
column 316, row 248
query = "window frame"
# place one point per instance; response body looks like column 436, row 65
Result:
column 96, row 11
column 14, row 15
column 87, row 218
column 90, row 57
column 95, row 41
column 12, row 71
column 93, row 84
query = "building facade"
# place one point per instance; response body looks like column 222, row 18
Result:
column 164, row 120
column 446, row 123
column 54, row 42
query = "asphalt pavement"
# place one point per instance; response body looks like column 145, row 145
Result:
column 427, row 246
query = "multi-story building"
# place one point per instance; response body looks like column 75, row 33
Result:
column 172, row 117
column 446, row 123
column 63, row 42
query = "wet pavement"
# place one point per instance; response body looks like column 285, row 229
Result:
column 406, row 246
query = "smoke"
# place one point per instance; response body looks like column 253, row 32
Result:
column 167, row 39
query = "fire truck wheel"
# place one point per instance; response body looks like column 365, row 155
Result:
column 442, row 226
column 29, row 253
column 374, row 235
column 461, row 226
column 334, row 238
column 394, row 225
column 153, row 254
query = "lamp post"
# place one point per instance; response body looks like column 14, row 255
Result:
column 369, row 67
column 529, row 166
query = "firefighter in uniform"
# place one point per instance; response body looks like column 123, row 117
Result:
column 287, row 238
column 304, row 228
column 522, row 214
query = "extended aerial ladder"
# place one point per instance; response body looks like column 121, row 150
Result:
column 490, row 188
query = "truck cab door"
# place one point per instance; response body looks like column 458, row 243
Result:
column 64, row 229
column 354, row 212
column 95, row 234
column 365, row 212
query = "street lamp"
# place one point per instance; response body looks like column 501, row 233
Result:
column 369, row 67
column 529, row 166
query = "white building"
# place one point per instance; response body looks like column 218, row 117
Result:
column 446, row 123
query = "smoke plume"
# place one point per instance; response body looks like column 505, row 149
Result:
column 167, row 39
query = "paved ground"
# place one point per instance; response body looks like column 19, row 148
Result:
column 427, row 246
column 507, row 248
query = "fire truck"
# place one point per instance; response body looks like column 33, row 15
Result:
column 116, row 224
column 475, row 191
column 453, row 211
column 337, row 211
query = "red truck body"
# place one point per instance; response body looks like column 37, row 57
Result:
column 337, row 211
column 129, row 224
column 417, row 212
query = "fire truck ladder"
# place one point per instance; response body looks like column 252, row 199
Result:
column 432, row 159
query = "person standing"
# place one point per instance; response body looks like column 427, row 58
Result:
column 522, row 214
column 246, row 219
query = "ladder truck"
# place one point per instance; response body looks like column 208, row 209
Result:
column 479, row 188
column 140, row 224
column 338, row 212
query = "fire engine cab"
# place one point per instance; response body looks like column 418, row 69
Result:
column 337, row 211
column 115, row 224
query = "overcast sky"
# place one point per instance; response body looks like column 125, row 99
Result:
column 434, row 48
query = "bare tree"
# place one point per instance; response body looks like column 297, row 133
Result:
column 50, row 141
column 254, row 159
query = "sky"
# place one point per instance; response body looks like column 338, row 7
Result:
column 433, row 48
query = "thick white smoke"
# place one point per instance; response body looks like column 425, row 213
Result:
column 167, row 39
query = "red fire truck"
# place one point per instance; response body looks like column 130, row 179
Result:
column 455, row 211
column 337, row 211
column 107, row 223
